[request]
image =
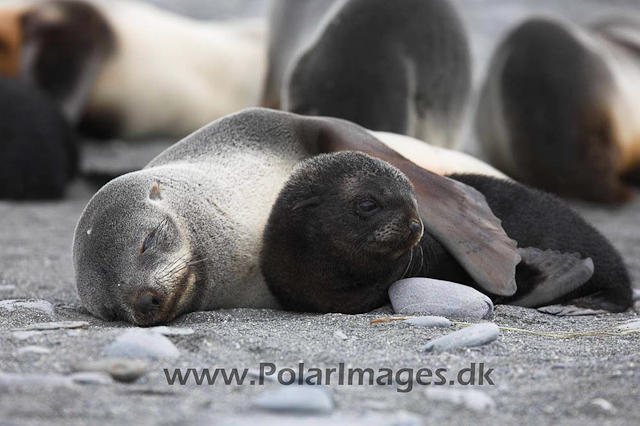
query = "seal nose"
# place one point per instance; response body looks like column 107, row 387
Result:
column 146, row 303
column 415, row 226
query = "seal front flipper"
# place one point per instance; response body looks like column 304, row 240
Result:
column 545, row 277
column 456, row 214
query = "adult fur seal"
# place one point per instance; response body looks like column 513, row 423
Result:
column 38, row 150
column 130, row 69
column 560, row 108
column 185, row 233
column 399, row 67
column 346, row 226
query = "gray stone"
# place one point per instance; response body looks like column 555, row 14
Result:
column 121, row 369
column 297, row 399
column 7, row 287
column 475, row 335
column 603, row 405
column 172, row 331
column 636, row 294
column 429, row 321
column 24, row 335
column 141, row 343
column 340, row 335
column 469, row 398
column 92, row 378
column 11, row 305
column 32, row 352
column 426, row 296
column 43, row 326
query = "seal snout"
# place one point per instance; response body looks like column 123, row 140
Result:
column 415, row 226
column 146, row 303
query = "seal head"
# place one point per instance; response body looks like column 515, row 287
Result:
column 341, row 232
column 145, row 270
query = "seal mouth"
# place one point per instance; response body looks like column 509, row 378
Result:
column 151, row 307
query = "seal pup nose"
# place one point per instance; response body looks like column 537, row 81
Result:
column 415, row 226
column 146, row 303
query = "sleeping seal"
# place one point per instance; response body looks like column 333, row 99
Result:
column 560, row 107
column 130, row 69
column 185, row 233
column 38, row 149
column 346, row 226
column 400, row 67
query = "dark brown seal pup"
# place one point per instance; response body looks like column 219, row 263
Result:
column 560, row 107
column 346, row 226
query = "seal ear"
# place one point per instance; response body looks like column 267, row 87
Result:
column 155, row 193
column 309, row 202
column 457, row 215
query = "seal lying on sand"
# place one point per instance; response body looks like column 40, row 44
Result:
column 560, row 108
column 346, row 226
column 185, row 233
column 401, row 67
column 130, row 69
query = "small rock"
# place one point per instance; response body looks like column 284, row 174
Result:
column 7, row 287
column 297, row 399
column 141, row 343
column 36, row 305
column 172, row 331
column 24, row 335
column 55, row 325
column 475, row 335
column 339, row 334
column 121, row 369
column 427, row 296
column 36, row 383
column 603, row 405
column 39, row 350
column 636, row 294
column 429, row 321
column 92, row 378
column 630, row 325
column 470, row 398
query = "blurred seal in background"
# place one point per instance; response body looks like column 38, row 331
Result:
column 38, row 152
column 560, row 107
column 400, row 67
column 130, row 69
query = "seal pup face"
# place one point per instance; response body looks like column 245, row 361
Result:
column 133, row 258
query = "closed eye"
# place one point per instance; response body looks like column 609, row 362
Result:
column 148, row 242
column 367, row 208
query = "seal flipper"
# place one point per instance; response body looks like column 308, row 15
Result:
column 547, row 276
column 456, row 214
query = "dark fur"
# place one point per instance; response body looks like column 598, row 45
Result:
column 554, row 93
column 321, row 255
column 306, row 274
column 362, row 66
column 38, row 152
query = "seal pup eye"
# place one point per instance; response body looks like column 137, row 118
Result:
column 368, row 207
column 148, row 242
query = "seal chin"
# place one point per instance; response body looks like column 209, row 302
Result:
column 153, row 307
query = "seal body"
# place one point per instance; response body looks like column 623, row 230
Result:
column 38, row 150
column 129, row 69
column 320, row 250
column 559, row 107
column 401, row 68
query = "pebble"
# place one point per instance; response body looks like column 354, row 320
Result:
column 92, row 378
column 429, row 321
column 634, row 325
column 297, row 399
column 24, row 335
column 470, row 398
column 121, row 369
column 37, row 383
column 603, row 405
column 475, row 335
column 141, row 343
column 172, row 331
column 426, row 296
column 7, row 287
column 33, row 351
column 43, row 326
column 340, row 335
column 36, row 305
